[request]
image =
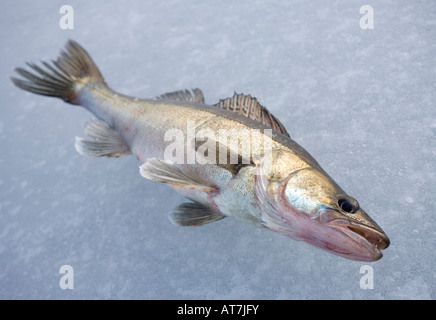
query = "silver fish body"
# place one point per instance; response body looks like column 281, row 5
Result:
column 281, row 187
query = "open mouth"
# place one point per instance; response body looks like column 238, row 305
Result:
column 366, row 242
column 375, row 237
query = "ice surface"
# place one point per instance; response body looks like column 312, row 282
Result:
column 362, row 102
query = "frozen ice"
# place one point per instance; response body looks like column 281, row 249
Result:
column 362, row 102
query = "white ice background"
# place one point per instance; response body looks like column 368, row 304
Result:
column 362, row 102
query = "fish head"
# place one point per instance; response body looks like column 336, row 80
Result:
column 310, row 206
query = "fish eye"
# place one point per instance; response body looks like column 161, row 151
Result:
column 348, row 204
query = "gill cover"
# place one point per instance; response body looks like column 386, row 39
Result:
column 308, row 190
column 290, row 206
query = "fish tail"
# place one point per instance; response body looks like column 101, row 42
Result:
column 63, row 78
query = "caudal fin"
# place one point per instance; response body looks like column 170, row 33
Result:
column 64, row 78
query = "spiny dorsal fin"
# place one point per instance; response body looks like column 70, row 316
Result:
column 248, row 106
column 184, row 95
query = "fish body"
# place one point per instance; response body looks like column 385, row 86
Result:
column 262, row 177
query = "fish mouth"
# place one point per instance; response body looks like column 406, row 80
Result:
column 367, row 241
column 375, row 237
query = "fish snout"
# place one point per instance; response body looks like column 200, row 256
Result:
column 355, row 237
column 374, row 236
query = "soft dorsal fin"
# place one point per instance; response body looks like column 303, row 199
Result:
column 248, row 106
column 184, row 95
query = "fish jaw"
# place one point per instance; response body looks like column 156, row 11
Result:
column 345, row 238
column 341, row 237
column 365, row 242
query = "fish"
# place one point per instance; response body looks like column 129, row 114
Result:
column 229, row 159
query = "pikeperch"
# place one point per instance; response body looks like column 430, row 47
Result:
column 233, row 158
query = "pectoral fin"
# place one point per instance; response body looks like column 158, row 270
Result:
column 168, row 172
column 193, row 214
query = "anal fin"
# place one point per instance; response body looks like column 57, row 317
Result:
column 193, row 214
column 106, row 141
